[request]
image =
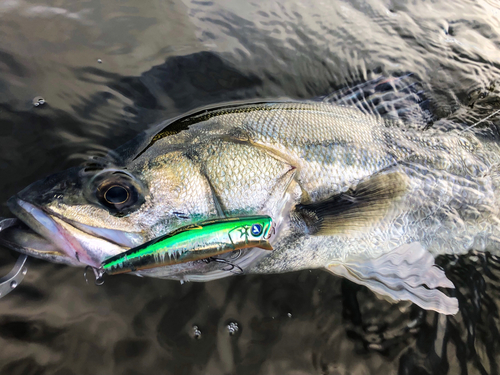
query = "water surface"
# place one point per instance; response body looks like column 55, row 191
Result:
column 110, row 69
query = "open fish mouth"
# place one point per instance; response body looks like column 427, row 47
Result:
column 17, row 236
column 45, row 235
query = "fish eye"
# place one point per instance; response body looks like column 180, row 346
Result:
column 118, row 191
column 256, row 230
column 116, row 194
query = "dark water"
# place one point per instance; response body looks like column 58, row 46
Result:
column 109, row 69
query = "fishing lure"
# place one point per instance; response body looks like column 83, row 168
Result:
column 194, row 242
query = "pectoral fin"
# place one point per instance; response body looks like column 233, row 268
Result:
column 406, row 273
column 356, row 209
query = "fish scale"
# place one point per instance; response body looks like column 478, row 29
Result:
column 301, row 134
column 256, row 173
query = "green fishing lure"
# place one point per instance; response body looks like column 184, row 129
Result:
column 195, row 242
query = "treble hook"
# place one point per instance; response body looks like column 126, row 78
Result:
column 98, row 273
column 219, row 260
column 236, row 255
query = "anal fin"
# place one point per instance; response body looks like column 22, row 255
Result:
column 406, row 273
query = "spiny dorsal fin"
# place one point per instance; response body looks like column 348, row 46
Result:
column 356, row 209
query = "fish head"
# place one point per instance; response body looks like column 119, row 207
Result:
column 77, row 213
column 83, row 216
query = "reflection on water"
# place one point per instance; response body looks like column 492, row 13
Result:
column 106, row 70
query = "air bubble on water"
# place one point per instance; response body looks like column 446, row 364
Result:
column 232, row 328
column 99, row 61
column 196, row 332
column 373, row 338
column 182, row 281
column 412, row 324
column 13, row 284
column 372, row 328
column 289, row 315
column 38, row 101
column 376, row 347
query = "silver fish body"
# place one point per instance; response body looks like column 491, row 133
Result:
column 349, row 191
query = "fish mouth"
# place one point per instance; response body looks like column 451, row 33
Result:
column 45, row 235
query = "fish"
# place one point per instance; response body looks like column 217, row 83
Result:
column 194, row 242
column 363, row 183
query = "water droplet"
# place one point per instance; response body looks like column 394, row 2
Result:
column 233, row 328
column 372, row 328
column 412, row 324
column 99, row 61
column 289, row 315
column 38, row 101
column 13, row 284
column 196, row 332
column 25, row 270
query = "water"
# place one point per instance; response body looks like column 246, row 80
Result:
column 102, row 71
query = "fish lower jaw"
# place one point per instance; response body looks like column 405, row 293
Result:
column 48, row 227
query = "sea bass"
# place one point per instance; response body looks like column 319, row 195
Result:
column 368, row 196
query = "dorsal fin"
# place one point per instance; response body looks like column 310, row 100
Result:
column 356, row 209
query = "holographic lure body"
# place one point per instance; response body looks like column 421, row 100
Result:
column 195, row 242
